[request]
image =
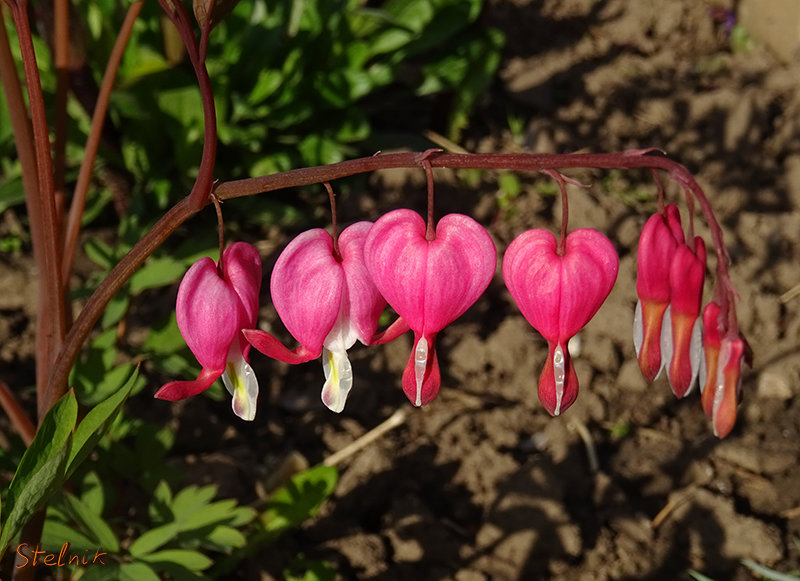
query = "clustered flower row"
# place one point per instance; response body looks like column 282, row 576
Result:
column 329, row 292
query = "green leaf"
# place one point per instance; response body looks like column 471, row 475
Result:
column 157, row 272
column 165, row 337
column 192, row 560
column 191, row 499
column 100, row 253
column 47, row 443
column 697, row 576
column 214, row 513
column 768, row 574
column 303, row 569
column 56, row 533
column 92, row 492
column 242, row 515
column 96, row 422
column 223, row 538
column 92, row 523
column 136, row 572
column 115, row 310
column 44, row 483
column 109, row 571
column 11, row 194
column 159, row 505
column 300, row 499
column 153, row 539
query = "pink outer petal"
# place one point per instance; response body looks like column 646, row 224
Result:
column 589, row 270
column 547, row 383
column 730, row 382
column 673, row 217
column 650, row 351
column 657, row 246
column 712, row 343
column 364, row 302
column 558, row 295
column 176, row 390
column 208, row 313
column 396, row 254
column 686, row 276
column 306, row 287
column 271, row 347
column 429, row 284
column 241, row 266
column 461, row 264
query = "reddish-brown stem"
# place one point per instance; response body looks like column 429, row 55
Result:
column 16, row 414
column 205, row 177
column 93, row 141
column 320, row 174
column 509, row 161
column 23, row 134
column 61, row 53
column 430, row 229
column 660, row 189
column 561, row 249
column 220, row 233
column 118, row 276
column 205, row 33
column 51, row 322
column 335, row 234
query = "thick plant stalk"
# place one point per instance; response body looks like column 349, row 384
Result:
column 61, row 57
column 51, row 322
column 21, row 422
column 93, row 141
column 205, row 176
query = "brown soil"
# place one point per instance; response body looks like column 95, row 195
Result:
column 482, row 484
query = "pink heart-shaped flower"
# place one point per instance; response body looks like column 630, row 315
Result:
column 327, row 301
column 429, row 283
column 558, row 295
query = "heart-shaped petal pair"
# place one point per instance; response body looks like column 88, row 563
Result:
column 429, row 283
column 558, row 294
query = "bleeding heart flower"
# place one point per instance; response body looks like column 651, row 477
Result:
column 429, row 283
column 326, row 303
column 212, row 309
column 558, row 295
column 660, row 238
column 681, row 334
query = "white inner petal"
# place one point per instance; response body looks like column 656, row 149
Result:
column 241, row 383
column 338, row 379
column 666, row 343
column 342, row 335
column 420, row 363
column 638, row 328
column 696, row 351
column 559, row 373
